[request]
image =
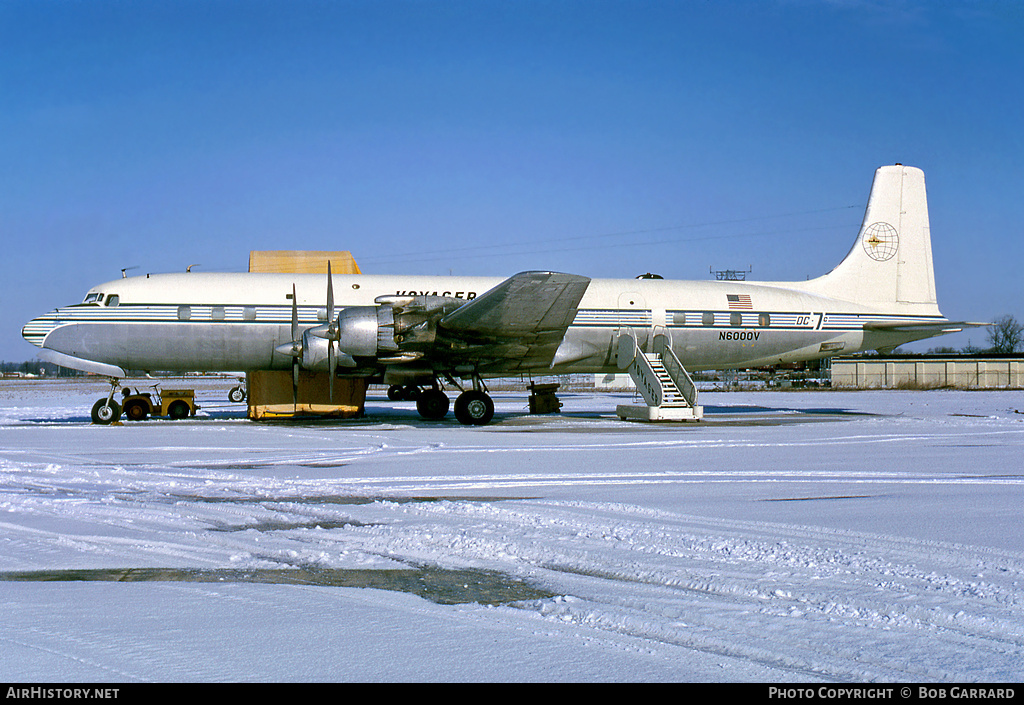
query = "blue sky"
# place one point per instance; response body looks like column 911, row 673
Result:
column 601, row 138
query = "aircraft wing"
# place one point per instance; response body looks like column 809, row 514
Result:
column 519, row 323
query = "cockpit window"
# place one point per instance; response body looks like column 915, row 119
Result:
column 93, row 298
column 113, row 300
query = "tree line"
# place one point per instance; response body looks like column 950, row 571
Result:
column 37, row 368
column 1005, row 335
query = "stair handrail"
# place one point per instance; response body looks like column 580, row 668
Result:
column 675, row 369
column 632, row 358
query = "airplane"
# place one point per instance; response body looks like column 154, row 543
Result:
column 416, row 332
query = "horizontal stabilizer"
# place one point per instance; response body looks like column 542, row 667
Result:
column 936, row 327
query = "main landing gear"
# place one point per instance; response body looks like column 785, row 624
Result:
column 473, row 407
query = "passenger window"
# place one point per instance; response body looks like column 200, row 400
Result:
column 707, row 319
column 735, row 319
column 217, row 313
column 184, row 313
column 249, row 313
column 679, row 319
column 764, row 320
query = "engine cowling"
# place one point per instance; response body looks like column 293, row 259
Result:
column 383, row 330
column 357, row 330
column 394, row 328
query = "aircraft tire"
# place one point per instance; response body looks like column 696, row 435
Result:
column 237, row 395
column 136, row 410
column 105, row 414
column 474, row 408
column 396, row 393
column 433, row 404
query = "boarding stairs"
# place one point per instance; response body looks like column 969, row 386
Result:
column 662, row 381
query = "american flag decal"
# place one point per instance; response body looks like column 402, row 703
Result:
column 740, row 301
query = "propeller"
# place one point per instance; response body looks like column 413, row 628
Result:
column 331, row 332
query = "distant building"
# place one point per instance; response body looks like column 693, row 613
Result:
column 932, row 371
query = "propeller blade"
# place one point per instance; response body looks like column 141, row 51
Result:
column 332, row 362
column 296, row 348
column 330, row 297
column 295, row 314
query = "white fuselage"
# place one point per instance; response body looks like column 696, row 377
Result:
column 211, row 322
column 415, row 329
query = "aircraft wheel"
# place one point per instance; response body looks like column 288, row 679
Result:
column 474, row 408
column 237, row 394
column 104, row 413
column 396, row 393
column 178, row 410
column 136, row 410
column 412, row 392
column 432, row 404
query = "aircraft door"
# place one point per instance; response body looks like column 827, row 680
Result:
column 635, row 317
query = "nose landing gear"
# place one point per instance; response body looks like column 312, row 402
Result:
column 106, row 411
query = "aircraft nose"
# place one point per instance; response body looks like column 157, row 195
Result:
column 35, row 331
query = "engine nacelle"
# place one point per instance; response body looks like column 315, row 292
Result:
column 386, row 332
column 357, row 330
column 411, row 321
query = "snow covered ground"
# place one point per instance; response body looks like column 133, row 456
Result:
column 792, row 536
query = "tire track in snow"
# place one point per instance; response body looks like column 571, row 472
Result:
column 798, row 598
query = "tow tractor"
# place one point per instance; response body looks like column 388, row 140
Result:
column 137, row 405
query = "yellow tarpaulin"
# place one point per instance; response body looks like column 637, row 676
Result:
column 301, row 262
column 270, row 392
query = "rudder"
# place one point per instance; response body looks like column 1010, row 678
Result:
column 890, row 265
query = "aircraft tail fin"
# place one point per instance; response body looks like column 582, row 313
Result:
column 890, row 265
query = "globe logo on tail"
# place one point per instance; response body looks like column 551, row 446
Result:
column 880, row 241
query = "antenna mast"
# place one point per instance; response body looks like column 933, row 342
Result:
column 731, row 275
